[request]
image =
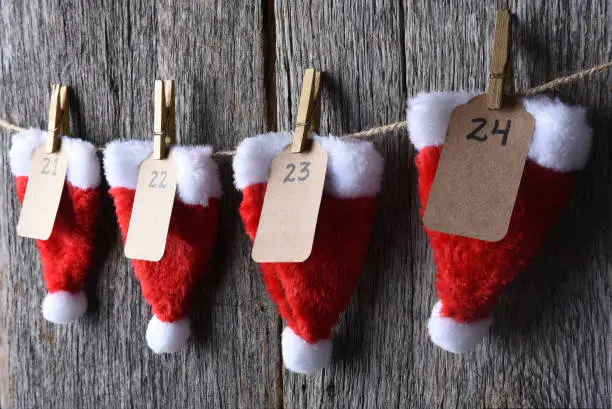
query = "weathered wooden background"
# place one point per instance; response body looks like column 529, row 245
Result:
column 238, row 67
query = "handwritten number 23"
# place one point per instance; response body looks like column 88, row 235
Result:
column 304, row 172
column 161, row 184
column 495, row 131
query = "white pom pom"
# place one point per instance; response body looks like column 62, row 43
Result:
column 302, row 357
column 455, row 336
column 63, row 307
column 167, row 337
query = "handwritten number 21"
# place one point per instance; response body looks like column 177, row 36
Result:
column 495, row 131
column 304, row 172
column 49, row 166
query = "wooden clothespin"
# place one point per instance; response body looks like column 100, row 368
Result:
column 309, row 110
column 315, row 122
column 164, row 118
column 499, row 63
column 59, row 117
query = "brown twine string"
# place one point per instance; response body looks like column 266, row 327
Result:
column 376, row 131
column 566, row 80
column 10, row 126
column 379, row 130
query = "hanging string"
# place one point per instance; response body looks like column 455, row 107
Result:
column 10, row 126
column 376, row 131
column 566, row 80
column 380, row 130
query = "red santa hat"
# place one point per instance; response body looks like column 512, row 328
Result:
column 67, row 255
column 168, row 284
column 473, row 273
column 312, row 295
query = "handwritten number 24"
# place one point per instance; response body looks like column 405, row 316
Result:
column 304, row 172
column 495, row 131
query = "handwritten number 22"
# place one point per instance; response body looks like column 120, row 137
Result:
column 162, row 183
column 304, row 172
column 495, row 131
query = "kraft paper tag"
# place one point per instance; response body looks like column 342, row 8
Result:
column 291, row 206
column 480, row 170
column 43, row 193
column 150, row 219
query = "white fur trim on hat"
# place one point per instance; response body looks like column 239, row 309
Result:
column 354, row 168
column 302, row 357
column 455, row 336
column 63, row 307
column 428, row 116
column 198, row 173
column 83, row 165
column 167, row 337
column 561, row 139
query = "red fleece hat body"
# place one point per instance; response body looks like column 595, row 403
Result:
column 473, row 273
column 312, row 295
column 67, row 255
column 470, row 286
column 168, row 284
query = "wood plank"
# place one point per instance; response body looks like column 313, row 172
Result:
column 359, row 47
column 111, row 53
column 550, row 344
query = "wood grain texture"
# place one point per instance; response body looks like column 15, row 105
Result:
column 111, row 53
column 550, row 344
column 238, row 68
